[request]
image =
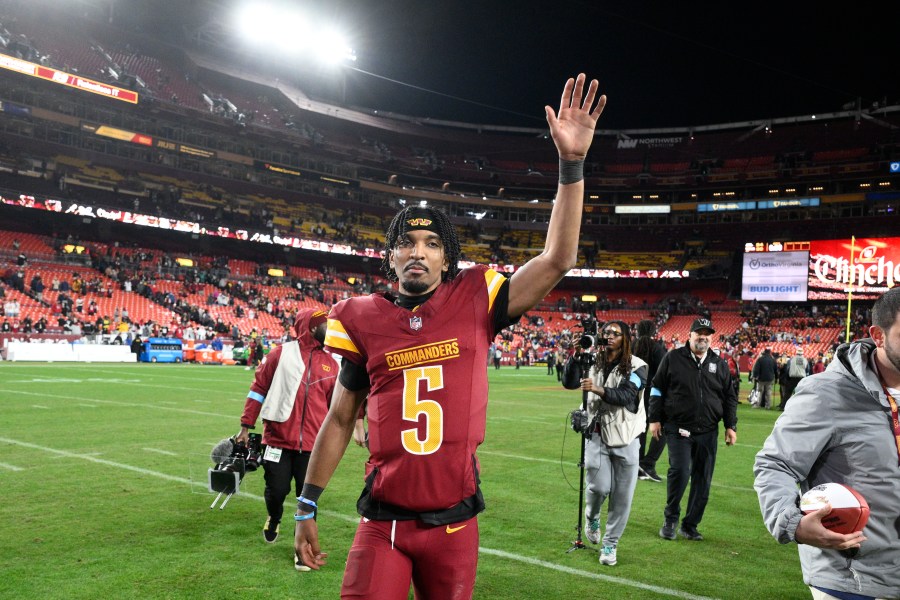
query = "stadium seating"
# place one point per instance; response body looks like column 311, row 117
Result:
column 464, row 170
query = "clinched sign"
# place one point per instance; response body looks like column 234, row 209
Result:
column 873, row 268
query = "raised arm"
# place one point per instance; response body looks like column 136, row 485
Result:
column 572, row 131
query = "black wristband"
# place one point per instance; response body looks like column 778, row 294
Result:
column 570, row 171
column 310, row 492
column 248, row 426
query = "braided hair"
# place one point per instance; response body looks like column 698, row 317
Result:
column 422, row 217
column 625, row 355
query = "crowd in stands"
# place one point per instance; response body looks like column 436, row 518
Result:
column 209, row 302
column 208, row 299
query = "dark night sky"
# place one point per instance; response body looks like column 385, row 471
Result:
column 661, row 64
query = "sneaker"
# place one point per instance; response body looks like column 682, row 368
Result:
column 298, row 564
column 642, row 473
column 667, row 531
column 690, row 533
column 651, row 475
column 608, row 555
column 592, row 530
column 270, row 530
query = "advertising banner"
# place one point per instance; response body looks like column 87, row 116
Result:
column 775, row 276
column 867, row 268
column 68, row 79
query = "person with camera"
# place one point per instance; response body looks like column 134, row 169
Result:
column 692, row 392
column 291, row 392
column 616, row 419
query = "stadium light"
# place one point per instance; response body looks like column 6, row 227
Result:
column 331, row 47
column 284, row 29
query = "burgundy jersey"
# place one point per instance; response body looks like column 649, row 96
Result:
column 428, row 397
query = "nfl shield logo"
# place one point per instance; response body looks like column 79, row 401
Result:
column 415, row 323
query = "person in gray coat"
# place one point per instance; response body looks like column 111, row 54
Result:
column 841, row 426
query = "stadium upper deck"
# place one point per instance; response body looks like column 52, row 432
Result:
column 296, row 162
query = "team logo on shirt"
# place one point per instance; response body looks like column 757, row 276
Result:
column 712, row 367
column 415, row 323
column 421, row 355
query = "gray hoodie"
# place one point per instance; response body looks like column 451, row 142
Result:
column 836, row 428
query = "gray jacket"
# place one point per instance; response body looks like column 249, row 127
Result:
column 836, row 429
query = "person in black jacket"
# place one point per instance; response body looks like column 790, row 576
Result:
column 652, row 351
column 765, row 370
column 692, row 392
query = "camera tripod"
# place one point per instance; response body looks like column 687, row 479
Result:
column 578, row 544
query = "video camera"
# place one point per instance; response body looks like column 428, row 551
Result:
column 232, row 461
column 579, row 364
column 589, row 336
column 581, row 422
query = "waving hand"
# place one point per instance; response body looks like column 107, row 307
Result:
column 573, row 128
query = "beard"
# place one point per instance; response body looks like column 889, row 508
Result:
column 699, row 346
column 892, row 354
column 414, row 287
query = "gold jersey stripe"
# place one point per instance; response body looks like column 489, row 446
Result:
column 336, row 337
column 494, row 280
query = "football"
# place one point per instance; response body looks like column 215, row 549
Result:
column 849, row 510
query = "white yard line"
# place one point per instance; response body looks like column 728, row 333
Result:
column 354, row 519
column 158, row 451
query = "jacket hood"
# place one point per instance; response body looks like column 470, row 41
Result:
column 305, row 318
column 852, row 360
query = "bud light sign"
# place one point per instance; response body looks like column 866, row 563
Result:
column 774, row 276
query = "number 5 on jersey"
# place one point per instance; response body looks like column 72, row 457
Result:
column 413, row 406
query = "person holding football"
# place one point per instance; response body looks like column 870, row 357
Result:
column 842, row 426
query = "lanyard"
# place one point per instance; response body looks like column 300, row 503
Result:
column 895, row 414
column 895, row 420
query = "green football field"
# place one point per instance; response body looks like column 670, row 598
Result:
column 103, row 480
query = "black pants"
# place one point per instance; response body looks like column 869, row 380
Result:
column 648, row 458
column 291, row 467
column 788, row 390
column 690, row 459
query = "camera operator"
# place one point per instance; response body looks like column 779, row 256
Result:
column 616, row 418
column 291, row 392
